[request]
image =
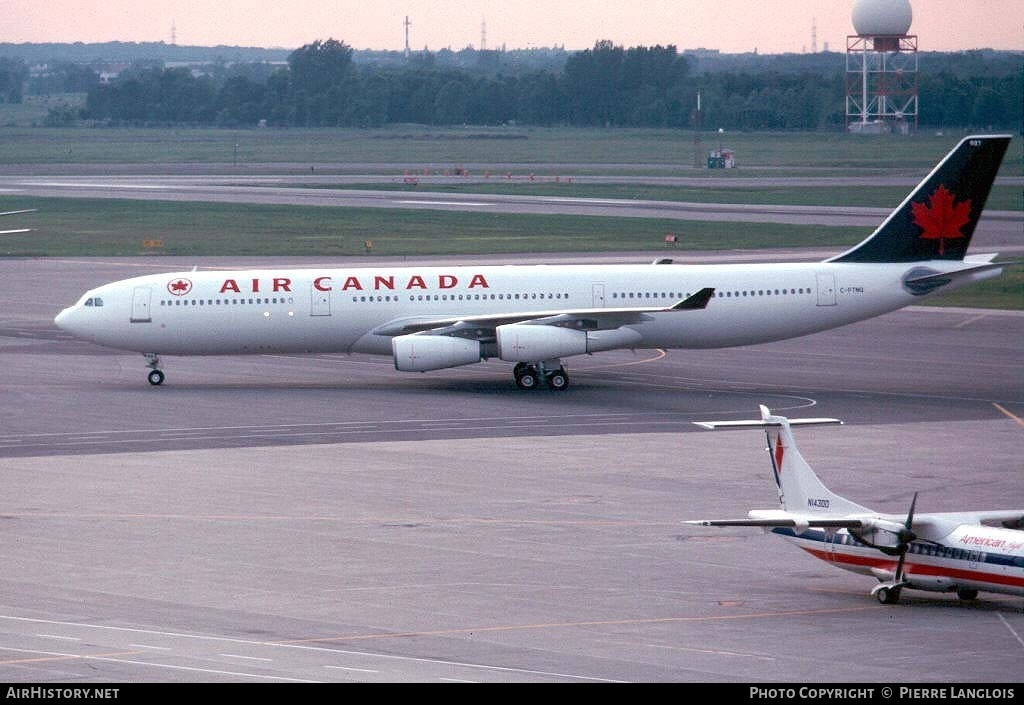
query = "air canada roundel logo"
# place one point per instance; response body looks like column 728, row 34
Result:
column 179, row 287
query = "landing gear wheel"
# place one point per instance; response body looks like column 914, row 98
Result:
column 967, row 593
column 558, row 380
column 527, row 378
column 888, row 596
column 155, row 377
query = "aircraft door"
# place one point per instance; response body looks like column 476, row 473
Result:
column 140, row 304
column 826, row 289
column 321, row 302
column 598, row 295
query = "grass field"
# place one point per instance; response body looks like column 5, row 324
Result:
column 411, row 145
column 78, row 227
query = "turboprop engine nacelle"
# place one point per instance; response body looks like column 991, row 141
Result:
column 881, row 533
column 420, row 353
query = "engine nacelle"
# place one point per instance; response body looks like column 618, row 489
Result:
column 522, row 342
column 532, row 343
column 880, row 533
column 420, row 353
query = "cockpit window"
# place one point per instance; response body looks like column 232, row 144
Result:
column 95, row 301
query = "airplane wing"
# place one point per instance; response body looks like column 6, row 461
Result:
column 1006, row 518
column 766, row 518
column 839, row 523
column 482, row 327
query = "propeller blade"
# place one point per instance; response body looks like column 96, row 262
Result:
column 899, row 568
column 906, row 536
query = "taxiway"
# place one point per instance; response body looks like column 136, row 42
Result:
column 327, row 518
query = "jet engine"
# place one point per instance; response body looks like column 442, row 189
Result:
column 524, row 342
column 529, row 343
column 420, row 353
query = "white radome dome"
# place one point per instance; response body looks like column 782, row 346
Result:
column 874, row 18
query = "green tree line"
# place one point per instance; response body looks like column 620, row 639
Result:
column 607, row 85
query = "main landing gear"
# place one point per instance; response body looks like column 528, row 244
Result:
column 890, row 594
column 156, row 375
column 531, row 376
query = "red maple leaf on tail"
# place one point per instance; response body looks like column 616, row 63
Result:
column 942, row 219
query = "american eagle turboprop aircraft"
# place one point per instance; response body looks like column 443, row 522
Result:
column 942, row 552
column 429, row 318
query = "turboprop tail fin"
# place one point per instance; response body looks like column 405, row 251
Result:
column 800, row 489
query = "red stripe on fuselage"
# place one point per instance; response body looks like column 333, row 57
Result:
column 916, row 568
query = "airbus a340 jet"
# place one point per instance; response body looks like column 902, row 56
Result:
column 430, row 318
column 961, row 552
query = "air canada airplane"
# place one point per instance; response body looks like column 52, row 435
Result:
column 943, row 552
column 429, row 318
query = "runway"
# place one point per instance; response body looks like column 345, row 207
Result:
column 327, row 518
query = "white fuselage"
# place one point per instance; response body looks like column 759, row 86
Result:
column 969, row 556
column 356, row 310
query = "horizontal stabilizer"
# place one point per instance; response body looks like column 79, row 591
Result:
column 713, row 425
column 956, row 274
column 767, row 419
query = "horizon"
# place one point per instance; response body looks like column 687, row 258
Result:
column 728, row 26
column 680, row 50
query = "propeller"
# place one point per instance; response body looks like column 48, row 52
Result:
column 906, row 536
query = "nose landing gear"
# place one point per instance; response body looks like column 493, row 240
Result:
column 156, row 375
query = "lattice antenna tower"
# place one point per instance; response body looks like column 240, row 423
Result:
column 407, row 24
column 881, row 68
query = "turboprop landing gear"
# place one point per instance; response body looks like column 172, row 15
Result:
column 888, row 595
column 530, row 376
column 156, row 375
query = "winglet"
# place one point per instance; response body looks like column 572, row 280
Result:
column 697, row 301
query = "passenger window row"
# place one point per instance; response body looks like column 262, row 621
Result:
column 262, row 301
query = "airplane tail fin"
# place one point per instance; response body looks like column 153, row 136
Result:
column 800, row 489
column 938, row 218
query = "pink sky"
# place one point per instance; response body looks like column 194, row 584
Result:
column 770, row 26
